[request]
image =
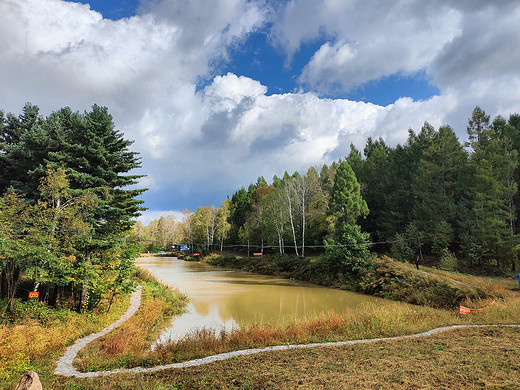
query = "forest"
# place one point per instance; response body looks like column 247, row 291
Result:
column 64, row 210
column 451, row 203
column 67, row 215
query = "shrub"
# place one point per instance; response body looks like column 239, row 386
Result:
column 448, row 261
column 348, row 254
column 400, row 249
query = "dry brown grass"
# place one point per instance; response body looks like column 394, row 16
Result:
column 31, row 344
column 369, row 321
column 468, row 358
column 492, row 286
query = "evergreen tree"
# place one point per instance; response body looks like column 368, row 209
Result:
column 375, row 187
column 438, row 191
column 240, row 207
column 347, row 251
column 489, row 238
column 346, row 203
column 97, row 158
column 24, row 145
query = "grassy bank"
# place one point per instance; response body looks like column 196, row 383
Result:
column 382, row 277
column 39, row 338
column 129, row 345
column 367, row 321
column 475, row 358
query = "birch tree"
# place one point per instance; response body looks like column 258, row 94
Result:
column 223, row 225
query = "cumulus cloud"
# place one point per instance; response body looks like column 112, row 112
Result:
column 455, row 42
column 203, row 133
column 365, row 40
column 484, row 49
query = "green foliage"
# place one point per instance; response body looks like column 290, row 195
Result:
column 346, row 203
column 401, row 249
column 489, row 238
column 240, row 207
column 72, row 169
column 448, row 261
column 348, row 254
column 13, row 366
column 438, row 190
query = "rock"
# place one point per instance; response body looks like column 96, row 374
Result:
column 30, row 381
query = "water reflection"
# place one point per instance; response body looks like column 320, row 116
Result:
column 226, row 299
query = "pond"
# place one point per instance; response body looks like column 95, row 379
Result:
column 223, row 299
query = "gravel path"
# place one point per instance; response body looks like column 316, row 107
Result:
column 65, row 363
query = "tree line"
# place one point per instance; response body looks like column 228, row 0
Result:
column 433, row 196
column 66, row 207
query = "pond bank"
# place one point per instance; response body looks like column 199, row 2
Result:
column 382, row 277
column 65, row 367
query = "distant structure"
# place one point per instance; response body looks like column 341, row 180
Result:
column 179, row 247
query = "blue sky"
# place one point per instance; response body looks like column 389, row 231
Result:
column 218, row 93
column 113, row 9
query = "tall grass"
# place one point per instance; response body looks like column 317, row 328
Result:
column 36, row 344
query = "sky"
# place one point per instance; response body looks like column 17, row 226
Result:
column 217, row 93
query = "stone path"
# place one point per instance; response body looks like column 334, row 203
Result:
column 65, row 363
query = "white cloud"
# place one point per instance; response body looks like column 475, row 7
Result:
column 226, row 92
column 199, row 145
column 149, row 216
column 366, row 40
column 455, row 42
column 485, row 48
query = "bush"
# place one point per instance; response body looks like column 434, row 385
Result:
column 400, row 249
column 347, row 254
column 448, row 261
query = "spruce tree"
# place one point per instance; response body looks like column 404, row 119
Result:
column 347, row 250
column 438, row 191
column 98, row 159
column 489, row 239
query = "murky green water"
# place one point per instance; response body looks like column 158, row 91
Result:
column 224, row 299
